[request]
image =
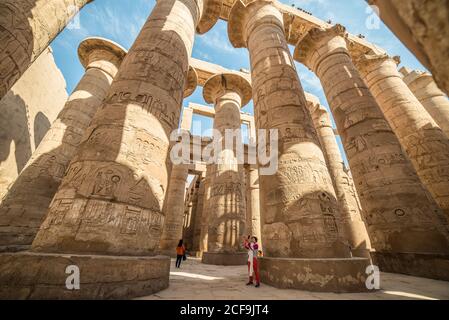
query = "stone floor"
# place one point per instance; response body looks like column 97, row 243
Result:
column 196, row 281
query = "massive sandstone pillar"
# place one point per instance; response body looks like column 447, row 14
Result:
column 350, row 207
column 253, row 226
column 423, row 26
column 174, row 202
column 118, row 180
column 401, row 217
column 204, row 225
column 431, row 97
column 196, row 239
column 109, row 205
column 25, row 205
column 423, row 141
column 301, row 218
column 227, row 208
column 27, row 27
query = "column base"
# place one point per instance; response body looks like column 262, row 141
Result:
column 29, row 275
column 432, row 266
column 225, row 259
column 318, row 275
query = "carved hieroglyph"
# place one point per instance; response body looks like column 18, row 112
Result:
column 431, row 97
column 253, row 202
column 423, row 141
column 25, row 205
column 347, row 197
column 111, row 199
column 27, row 27
column 400, row 215
column 301, row 218
column 227, row 202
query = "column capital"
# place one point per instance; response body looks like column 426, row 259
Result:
column 219, row 84
column 210, row 16
column 410, row 76
column 191, row 83
column 306, row 50
column 241, row 13
column 94, row 49
column 366, row 63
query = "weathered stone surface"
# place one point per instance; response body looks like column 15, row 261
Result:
column 26, row 114
column 205, row 212
column 225, row 258
column 28, row 275
column 431, row 97
column 111, row 200
column 399, row 213
column 301, row 218
column 23, row 208
column 227, row 202
column 174, row 212
column 196, row 236
column 422, row 140
column 423, row 26
column 354, row 226
column 431, row 266
column 253, row 225
column 320, row 275
column 190, row 211
column 27, row 27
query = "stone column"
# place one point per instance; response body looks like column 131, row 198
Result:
column 174, row 214
column 25, row 205
column 227, row 208
column 26, row 30
column 353, row 224
column 174, row 202
column 116, row 184
column 423, row 141
column 253, row 202
column 301, row 219
column 110, row 203
column 400, row 215
column 204, row 225
column 196, row 241
column 431, row 97
column 423, row 27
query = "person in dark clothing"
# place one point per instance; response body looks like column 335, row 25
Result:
column 180, row 253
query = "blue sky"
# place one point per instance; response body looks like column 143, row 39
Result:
column 121, row 20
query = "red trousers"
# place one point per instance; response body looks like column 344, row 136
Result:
column 256, row 271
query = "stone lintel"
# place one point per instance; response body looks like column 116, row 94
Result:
column 317, row 275
column 221, row 83
column 28, row 275
column 89, row 46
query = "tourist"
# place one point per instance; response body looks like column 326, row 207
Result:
column 180, row 253
column 252, row 246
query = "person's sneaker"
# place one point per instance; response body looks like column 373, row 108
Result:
column 249, row 284
column 258, row 285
